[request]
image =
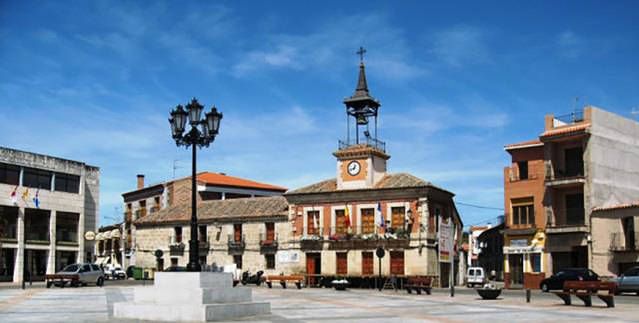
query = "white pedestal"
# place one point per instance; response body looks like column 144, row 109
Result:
column 185, row 296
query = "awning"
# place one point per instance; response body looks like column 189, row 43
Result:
column 107, row 235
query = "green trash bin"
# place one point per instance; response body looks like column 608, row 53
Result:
column 138, row 273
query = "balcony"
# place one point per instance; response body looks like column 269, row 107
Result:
column 564, row 177
column 624, row 241
column 176, row 249
column 204, row 245
column 363, row 142
column 236, row 246
column 268, row 243
column 520, row 229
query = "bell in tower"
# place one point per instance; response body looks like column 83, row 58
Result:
column 361, row 161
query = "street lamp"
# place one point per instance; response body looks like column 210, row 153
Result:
column 202, row 134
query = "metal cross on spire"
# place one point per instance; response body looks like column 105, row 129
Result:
column 361, row 53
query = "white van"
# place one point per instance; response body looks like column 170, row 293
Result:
column 475, row 276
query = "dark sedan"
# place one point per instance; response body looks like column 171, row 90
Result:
column 557, row 280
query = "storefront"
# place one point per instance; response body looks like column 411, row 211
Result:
column 524, row 261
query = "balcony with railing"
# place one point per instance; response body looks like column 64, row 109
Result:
column 362, row 142
column 268, row 242
column 568, row 220
column 624, row 241
column 236, row 244
column 355, row 237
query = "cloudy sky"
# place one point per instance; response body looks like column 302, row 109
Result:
column 95, row 80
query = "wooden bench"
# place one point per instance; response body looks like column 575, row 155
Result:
column 584, row 290
column 419, row 284
column 72, row 279
column 296, row 279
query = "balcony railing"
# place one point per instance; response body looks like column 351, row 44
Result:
column 573, row 117
column 366, row 141
column 620, row 241
column 266, row 241
column 176, row 249
column 236, row 246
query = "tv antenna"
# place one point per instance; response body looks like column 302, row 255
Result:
column 176, row 166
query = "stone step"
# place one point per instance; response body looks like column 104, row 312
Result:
column 211, row 312
column 192, row 296
column 190, row 280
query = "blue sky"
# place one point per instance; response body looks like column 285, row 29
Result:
column 95, row 80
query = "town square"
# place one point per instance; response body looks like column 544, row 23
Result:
column 300, row 162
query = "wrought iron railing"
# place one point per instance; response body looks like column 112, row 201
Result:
column 573, row 117
column 624, row 241
column 366, row 141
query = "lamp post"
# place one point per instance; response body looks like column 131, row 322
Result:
column 202, row 134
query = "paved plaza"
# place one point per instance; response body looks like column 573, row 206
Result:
column 91, row 304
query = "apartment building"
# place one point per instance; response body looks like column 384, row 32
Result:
column 590, row 172
column 47, row 205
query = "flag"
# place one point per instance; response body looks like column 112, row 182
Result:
column 36, row 199
column 379, row 217
column 347, row 217
column 14, row 196
column 25, row 195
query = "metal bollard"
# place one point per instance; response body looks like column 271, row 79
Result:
column 528, row 295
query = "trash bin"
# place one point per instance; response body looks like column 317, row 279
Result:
column 138, row 273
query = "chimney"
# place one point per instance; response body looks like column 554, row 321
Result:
column 140, row 181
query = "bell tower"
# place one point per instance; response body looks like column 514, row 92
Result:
column 361, row 157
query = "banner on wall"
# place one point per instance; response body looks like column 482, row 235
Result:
column 446, row 240
column 288, row 256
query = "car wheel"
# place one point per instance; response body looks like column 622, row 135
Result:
column 544, row 288
column 469, row 285
column 100, row 282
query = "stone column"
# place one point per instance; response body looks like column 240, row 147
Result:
column 18, row 269
column 52, row 246
column 81, row 251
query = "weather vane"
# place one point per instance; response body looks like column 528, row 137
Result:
column 361, row 53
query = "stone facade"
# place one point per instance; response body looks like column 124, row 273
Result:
column 81, row 206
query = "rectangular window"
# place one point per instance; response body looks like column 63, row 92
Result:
column 270, row 231
column 8, row 222
column 574, row 161
column 367, row 263
column 202, row 234
column 368, row 221
column 575, row 209
column 237, row 260
column 397, row 262
column 523, row 169
column 36, row 225
column 178, row 234
column 340, row 222
column 67, row 183
column 67, row 226
column 9, row 174
column 237, row 232
column 398, row 216
column 535, row 262
column 312, row 222
column 270, row 261
column 36, row 178
column 342, row 263
column 523, row 214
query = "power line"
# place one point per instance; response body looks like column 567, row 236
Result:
column 479, row 206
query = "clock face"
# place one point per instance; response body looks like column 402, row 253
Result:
column 354, row 168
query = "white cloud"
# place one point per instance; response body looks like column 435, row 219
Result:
column 460, row 45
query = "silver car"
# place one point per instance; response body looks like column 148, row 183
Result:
column 629, row 281
column 77, row 274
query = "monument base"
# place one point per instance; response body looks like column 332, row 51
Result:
column 188, row 296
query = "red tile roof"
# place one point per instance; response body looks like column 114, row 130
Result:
column 389, row 181
column 617, row 207
column 566, row 130
column 217, row 179
column 524, row 144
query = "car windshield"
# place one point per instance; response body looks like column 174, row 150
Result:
column 71, row 268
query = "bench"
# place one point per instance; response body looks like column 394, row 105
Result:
column 73, row 279
column 296, row 279
column 584, row 290
column 419, row 284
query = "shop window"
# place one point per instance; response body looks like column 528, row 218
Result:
column 270, row 261
column 535, row 262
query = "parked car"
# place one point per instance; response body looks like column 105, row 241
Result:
column 86, row 274
column 114, row 272
column 557, row 280
column 628, row 281
column 475, row 276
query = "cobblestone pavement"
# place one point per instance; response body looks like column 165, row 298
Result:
column 91, row 304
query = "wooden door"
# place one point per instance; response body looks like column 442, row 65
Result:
column 398, row 216
column 270, row 231
column 237, row 229
column 367, row 263
column 340, row 222
column 397, row 262
column 342, row 263
column 313, row 263
column 368, row 221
